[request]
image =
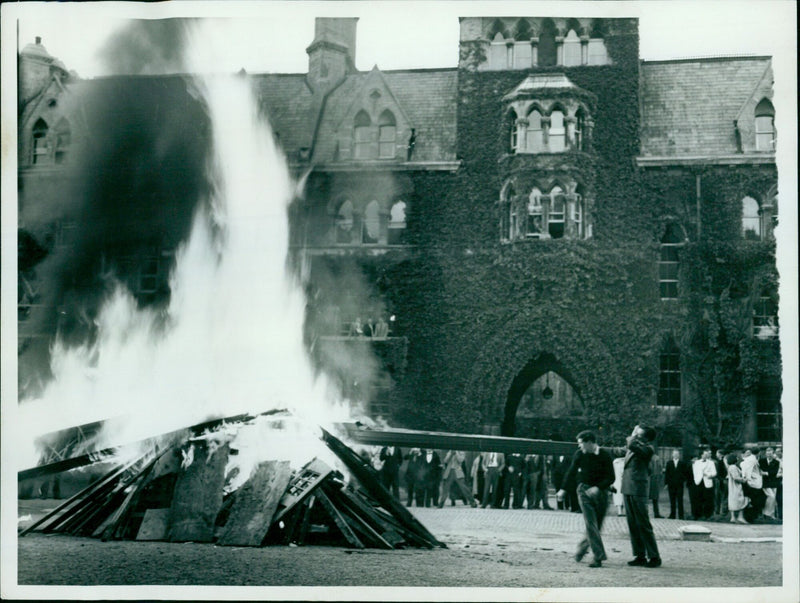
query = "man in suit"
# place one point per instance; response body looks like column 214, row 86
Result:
column 515, row 466
column 720, row 485
column 454, row 472
column 492, row 462
column 430, row 473
column 675, row 475
column 535, row 484
column 704, row 471
column 392, row 458
column 635, row 488
column 770, row 466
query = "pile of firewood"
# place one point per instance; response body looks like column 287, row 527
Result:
column 177, row 494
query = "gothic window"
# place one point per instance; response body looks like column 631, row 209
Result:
column 498, row 54
column 522, row 45
column 372, row 224
column 63, row 140
column 557, row 137
column 345, row 220
column 512, row 131
column 508, row 215
column 751, row 219
column 534, row 134
column 669, row 374
column 765, row 317
column 577, row 215
column 547, row 44
column 40, row 148
column 669, row 262
column 397, row 223
column 535, row 215
column 363, row 136
column 765, row 126
column 387, row 135
column 555, row 221
column 572, row 49
column 768, row 410
column 597, row 52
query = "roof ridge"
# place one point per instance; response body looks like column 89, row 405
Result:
column 716, row 57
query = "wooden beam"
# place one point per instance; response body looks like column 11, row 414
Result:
column 340, row 521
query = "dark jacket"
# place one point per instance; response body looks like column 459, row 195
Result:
column 636, row 476
column 675, row 476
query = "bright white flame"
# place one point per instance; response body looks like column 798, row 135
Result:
column 231, row 339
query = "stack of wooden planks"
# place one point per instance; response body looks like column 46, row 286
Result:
column 178, row 494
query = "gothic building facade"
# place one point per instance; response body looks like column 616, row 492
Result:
column 552, row 235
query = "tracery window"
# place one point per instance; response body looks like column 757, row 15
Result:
column 363, row 136
column 534, row 134
column 572, row 49
column 397, row 223
column 40, row 148
column 751, row 219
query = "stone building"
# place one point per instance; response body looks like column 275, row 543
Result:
column 552, row 235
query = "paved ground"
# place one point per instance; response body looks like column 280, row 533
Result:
column 520, row 549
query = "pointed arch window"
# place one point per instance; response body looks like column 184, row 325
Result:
column 498, row 53
column 555, row 221
column 669, row 262
column 511, row 124
column 370, row 234
column 345, row 221
column 397, row 223
column 580, row 127
column 547, row 44
column 534, row 134
column 765, row 126
column 40, row 147
column 363, row 134
column 669, row 374
column 387, row 135
column 751, row 219
column 572, row 49
column 557, row 137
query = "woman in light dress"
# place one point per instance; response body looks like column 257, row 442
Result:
column 737, row 501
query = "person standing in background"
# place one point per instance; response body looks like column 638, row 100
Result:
column 492, row 462
column 392, row 458
column 721, row 485
column 430, row 475
column 677, row 473
column 454, row 472
column 770, row 466
column 656, row 482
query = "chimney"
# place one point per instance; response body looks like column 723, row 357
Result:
column 331, row 56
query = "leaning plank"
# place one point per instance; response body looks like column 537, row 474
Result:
column 198, row 493
column 358, row 522
column 340, row 521
column 154, row 525
column 366, row 476
column 255, row 504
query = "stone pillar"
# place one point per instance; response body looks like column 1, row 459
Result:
column 546, row 130
column 584, row 50
column 559, row 50
column 534, row 52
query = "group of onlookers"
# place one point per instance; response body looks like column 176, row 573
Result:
column 744, row 483
column 487, row 479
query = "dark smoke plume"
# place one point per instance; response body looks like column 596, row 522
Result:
column 147, row 47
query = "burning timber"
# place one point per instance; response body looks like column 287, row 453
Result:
column 177, row 494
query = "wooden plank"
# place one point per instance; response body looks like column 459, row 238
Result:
column 365, row 475
column 305, row 522
column 301, row 485
column 340, row 521
column 409, row 438
column 198, row 493
column 154, row 525
column 255, row 504
column 359, row 523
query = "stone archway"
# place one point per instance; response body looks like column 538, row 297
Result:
column 554, row 415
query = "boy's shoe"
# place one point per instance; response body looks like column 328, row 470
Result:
column 638, row 561
column 654, row 562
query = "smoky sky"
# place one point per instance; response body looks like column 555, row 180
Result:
column 147, row 47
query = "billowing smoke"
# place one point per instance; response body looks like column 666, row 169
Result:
column 147, row 47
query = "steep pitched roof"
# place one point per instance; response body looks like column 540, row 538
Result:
column 427, row 99
column 289, row 103
column 689, row 106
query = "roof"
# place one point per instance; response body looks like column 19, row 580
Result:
column 288, row 101
column 689, row 106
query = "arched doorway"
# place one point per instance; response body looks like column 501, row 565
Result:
column 542, row 402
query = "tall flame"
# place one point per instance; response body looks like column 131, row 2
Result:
column 230, row 340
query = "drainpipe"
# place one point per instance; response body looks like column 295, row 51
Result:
column 698, row 191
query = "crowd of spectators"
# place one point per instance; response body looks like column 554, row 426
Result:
column 742, row 486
